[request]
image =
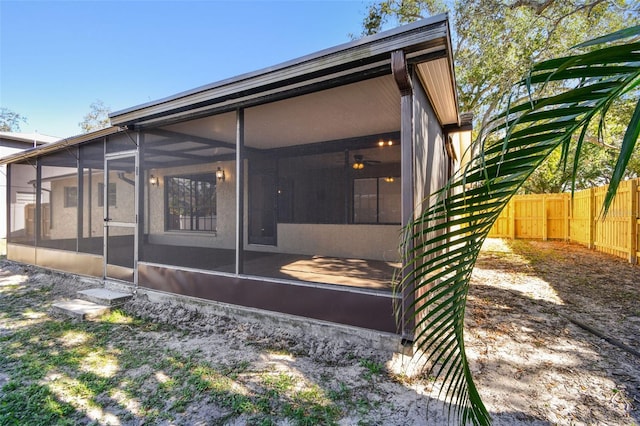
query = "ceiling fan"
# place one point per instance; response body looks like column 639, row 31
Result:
column 359, row 162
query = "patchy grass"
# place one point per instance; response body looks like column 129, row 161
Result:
column 116, row 369
column 184, row 367
column 371, row 368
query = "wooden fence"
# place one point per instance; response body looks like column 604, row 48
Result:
column 557, row 216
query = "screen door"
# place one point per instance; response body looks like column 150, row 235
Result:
column 118, row 196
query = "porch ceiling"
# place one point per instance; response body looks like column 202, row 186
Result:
column 364, row 108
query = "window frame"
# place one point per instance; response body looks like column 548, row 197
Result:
column 112, row 195
column 70, row 202
column 378, row 179
column 194, row 218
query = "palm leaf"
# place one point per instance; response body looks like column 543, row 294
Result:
column 554, row 105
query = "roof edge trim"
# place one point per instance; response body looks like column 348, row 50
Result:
column 135, row 113
column 62, row 143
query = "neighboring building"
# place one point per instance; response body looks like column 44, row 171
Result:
column 282, row 190
column 10, row 143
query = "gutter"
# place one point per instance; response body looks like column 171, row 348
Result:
column 61, row 144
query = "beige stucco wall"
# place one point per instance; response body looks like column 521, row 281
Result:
column 5, row 151
column 64, row 219
column 374, row 242
column 461, row 142
column 225, row 234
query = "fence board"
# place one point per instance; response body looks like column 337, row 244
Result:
column 528, row 217
column 557, row 216
column 636, row 209
column 581, row 218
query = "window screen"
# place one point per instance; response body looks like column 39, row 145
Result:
column 70, row 196
column 376, row 200
column 113, row 193
column 191, row 202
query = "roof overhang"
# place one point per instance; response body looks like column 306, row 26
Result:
column 28, row 138
column 352, row 78
column 61, row 144
column 424, row 42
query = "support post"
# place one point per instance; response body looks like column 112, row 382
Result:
column 9, row 210
column 141, row 184
column 239, row 191
column 80, row 209
column 403, row 80
column 37, row 226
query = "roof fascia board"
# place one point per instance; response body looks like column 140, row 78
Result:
column 194, row 111
column 414, row 37
column 28, row 138
column 24, row 141
column 61, row 144
column 452, row 69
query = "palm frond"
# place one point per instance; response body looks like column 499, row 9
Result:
column 441, row 246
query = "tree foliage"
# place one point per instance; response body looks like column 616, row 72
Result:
column 10, row 121
column 496, row 41
column 97, row 118
column 552, row 108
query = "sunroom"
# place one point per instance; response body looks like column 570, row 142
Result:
column 283, row 190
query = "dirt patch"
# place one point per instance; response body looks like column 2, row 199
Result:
column 178, row 365
column 528, row 352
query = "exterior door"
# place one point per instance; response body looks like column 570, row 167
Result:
column 262, row 202
column 118, row 196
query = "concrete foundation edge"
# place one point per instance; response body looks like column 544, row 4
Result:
column 378, row 340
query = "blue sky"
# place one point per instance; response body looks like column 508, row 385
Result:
column 57, row 57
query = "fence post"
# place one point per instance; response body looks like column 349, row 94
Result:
column 633, row 221
column 544, row 217
column 566, row 214
column 511, row 217
column 591, row 223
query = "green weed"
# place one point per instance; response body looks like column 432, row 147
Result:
column 371, row 368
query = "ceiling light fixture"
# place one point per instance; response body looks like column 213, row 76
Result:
column 358, row 164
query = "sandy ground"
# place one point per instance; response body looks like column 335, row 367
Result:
column 533, row 360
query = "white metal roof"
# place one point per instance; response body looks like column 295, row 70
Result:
column 28, row 137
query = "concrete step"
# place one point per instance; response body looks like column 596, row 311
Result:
column 103, row 296
column 80, row 309
column 120, row 286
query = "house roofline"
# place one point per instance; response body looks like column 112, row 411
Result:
column 28, row 138
column 62, row 143
column 419, row 40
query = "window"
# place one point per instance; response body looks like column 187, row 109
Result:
column 191, row 202
column 376, row 200
column 111, row 195
column 71, row 196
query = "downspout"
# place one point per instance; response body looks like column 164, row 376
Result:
column 402, row 77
